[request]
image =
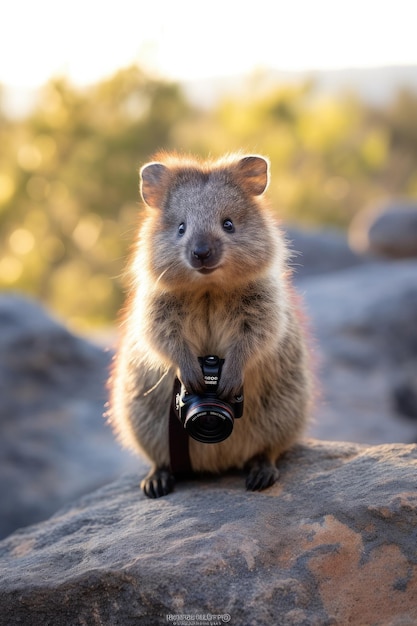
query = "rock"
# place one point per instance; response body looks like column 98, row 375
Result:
column 405, row 395
column 388, row 230
column 54, row 442
column 364, row 326
column 319, row 251
column 332, row 543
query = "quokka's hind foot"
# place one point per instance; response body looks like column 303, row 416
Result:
column 262, row 473
column 159, row 482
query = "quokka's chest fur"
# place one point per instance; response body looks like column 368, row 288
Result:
column 211, row 322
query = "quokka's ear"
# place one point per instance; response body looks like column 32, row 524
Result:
column 252, row 174
column 154, row 183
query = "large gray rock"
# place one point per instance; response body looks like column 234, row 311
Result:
column 54, row 442
column 320, row 251
column 389, row 229
column 332, row 543
column 364, row 327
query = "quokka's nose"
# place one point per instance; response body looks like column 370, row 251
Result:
column 202, row 252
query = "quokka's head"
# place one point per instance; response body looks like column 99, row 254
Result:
column 207, row 223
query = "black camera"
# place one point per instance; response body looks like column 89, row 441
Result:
column 207, row 418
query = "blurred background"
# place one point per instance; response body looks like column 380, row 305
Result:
column 89, row 90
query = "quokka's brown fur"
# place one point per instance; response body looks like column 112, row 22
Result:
column 209, row 275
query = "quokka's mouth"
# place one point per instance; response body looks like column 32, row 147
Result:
column 207, row 270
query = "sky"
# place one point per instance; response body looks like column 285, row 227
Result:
column 184, row 40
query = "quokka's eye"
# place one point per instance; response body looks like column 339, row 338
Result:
column 228, row 226
column 181, row 229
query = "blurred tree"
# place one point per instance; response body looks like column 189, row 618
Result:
column 400, row 120
column 327, row 155
column 69, row 171
column 69, row 188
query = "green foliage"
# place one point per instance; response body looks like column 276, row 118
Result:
column 69, row 202
column 69, row 189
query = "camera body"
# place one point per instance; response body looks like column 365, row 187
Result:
column 206, row 417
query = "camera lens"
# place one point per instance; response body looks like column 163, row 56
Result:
column 209, row 421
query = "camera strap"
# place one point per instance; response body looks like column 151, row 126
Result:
column 178, row 440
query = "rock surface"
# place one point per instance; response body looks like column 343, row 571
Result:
column 320, row 252
column 332, row 543
column 54, row 443
column 364, row 324
column 388, row 230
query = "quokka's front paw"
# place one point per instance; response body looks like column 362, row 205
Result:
column 261, row 473
column 192, row 379
column 230, row 385
column 159, row 482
